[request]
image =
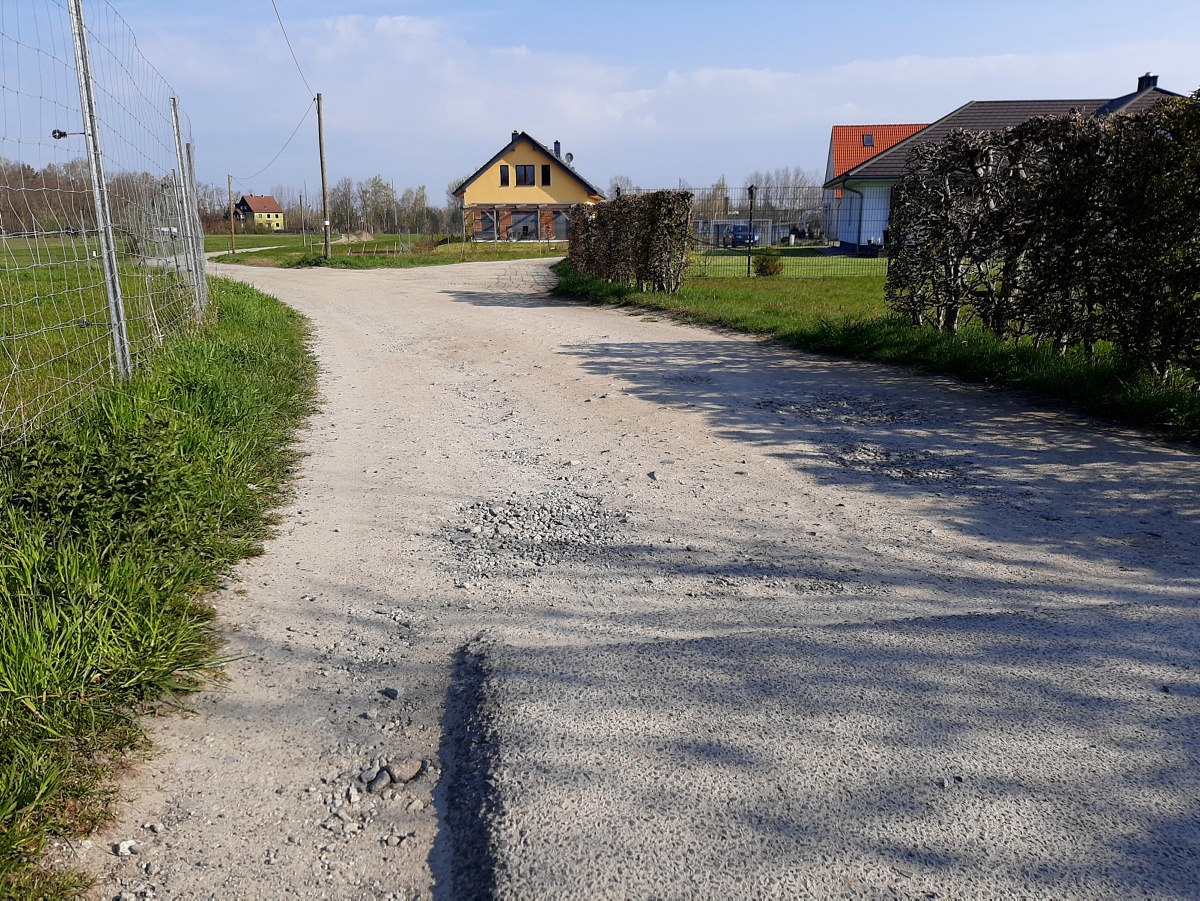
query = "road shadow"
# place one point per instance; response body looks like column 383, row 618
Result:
column 463, row 859
column 1061, row 483
column 999, row 755
column 1006, row 466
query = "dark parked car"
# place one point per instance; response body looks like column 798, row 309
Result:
column 741, row 236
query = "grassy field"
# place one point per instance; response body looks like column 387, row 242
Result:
column 54, row 323
column 216, row 243
column 847, row 317
column 798, row 262
column 113, row 528
column 351, row 256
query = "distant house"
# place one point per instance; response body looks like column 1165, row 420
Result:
column 524, row 192
column 259, row 209
column 851, row 146
column 862, row 209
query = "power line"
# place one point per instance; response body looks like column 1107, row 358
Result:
column 289, row 46
column 303, row 119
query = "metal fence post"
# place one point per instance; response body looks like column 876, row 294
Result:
column 185, row 218
column 198, row 226
column 108, row 248
column 750, row 232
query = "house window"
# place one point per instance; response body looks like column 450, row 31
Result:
column 868, row 140
column 525, row 175
column 546, row 176
column 504, row 176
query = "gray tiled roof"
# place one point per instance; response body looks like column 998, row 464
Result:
column 1135, row 102
column 991, row 115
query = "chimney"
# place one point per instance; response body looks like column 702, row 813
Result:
column 1147, row 81
column 558, row 148
column 516, row 134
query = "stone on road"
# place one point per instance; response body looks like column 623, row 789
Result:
column 573, row 603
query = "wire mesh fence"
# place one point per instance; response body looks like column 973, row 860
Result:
column 805, row 232
column 101, row 255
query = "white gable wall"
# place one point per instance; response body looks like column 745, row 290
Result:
column 873, row 204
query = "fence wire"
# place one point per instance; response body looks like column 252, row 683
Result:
column 59, row 334
column 812, row 232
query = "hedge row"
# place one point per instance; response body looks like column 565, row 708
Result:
column 637, row 239
column 1069, row 229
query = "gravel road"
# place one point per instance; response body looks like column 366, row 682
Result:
column 578, row 603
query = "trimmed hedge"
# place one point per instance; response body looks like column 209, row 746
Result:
column 636, row 239
column 1068, row 231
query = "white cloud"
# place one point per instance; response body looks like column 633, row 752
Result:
column 411, row 98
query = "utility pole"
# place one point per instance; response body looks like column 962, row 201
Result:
column 232, row 233
column 324, row 179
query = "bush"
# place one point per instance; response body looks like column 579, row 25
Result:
column 768, row 262
column 1068, row 231
column 638, row 239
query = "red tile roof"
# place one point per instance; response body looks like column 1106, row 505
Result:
column 847, row 143
column 262, row 203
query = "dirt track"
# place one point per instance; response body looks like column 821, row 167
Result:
column 736, row 621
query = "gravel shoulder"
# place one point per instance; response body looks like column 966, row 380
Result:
column 627, row 608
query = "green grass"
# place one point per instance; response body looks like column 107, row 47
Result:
column 54, row 323
column 349, row 256
column 215, row 243
column 112, row 529
column 847, row 317
column 798, row 262
column 219, row 242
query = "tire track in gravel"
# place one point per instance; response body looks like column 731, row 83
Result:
column 596, row 578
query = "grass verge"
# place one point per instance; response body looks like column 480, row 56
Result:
column 295, row 257
column 215, row 243
column 848, row 317
column 112, row 528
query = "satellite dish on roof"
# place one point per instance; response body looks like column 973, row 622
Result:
column 569, row 157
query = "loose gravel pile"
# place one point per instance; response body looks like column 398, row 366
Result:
column 540, row 530
column 840, row 409
column 923, row 466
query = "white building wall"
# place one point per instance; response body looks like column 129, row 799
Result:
column 877, row 201
column 875, row 207
column 847, row 217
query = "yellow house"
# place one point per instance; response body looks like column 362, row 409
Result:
column 260, row 209
column 524, row 193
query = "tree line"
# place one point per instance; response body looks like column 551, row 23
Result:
column 371, row 205
column 57, row 199
column 1072, row 231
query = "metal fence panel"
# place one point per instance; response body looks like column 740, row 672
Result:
column 60, row 319
column 814, row 232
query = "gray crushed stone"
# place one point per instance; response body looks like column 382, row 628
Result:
column 541, row 529
column 978, row 756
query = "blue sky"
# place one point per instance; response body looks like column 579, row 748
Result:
column 424, row 92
